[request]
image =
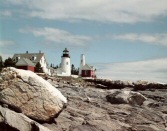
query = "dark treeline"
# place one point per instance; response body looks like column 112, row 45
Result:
column 7, row 63
column 54, row 67
column 74, row 71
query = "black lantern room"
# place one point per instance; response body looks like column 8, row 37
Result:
column 66, row 53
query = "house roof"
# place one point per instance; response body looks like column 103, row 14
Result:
column 29, row 56
column 24, row 62
column 87, row 67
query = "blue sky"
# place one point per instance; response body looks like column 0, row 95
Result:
column 123, row 39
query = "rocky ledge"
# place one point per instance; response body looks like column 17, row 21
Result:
column 118, row 84
column 105, row 105
column 93, row 105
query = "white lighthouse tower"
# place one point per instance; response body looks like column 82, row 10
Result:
column 82, row 63
column 65, row 63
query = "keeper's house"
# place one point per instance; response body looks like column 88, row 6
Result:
column 28, row 61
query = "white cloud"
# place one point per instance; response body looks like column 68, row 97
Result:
column 15, row 2
column 122, row 11
column 58, row 36
column 4, row 43
column 151, row 70
column 148, row 38
column 5, row 13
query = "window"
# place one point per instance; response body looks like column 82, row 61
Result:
column 86, row 72
column 34, row 58
column 66, row 63
column 17, row 58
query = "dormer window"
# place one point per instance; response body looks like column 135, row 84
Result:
column 17, row 58
column 34, row 58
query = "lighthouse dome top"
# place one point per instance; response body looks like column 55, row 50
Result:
column 65, row 50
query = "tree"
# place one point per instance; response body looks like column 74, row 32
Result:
column 1, row 63
column 56, row 67
column 38, row 68
column 74, row 71
column 9, row 63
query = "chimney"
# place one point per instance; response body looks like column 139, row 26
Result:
column 39, row 51
column 82, row 63
column 27, row 52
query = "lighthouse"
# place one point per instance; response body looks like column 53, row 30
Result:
column 65, row 63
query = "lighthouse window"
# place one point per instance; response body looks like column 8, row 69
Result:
column 67, row 63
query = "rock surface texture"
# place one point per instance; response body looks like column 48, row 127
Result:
column 88, row 108
column 93, row 105
column 12, row 121
column 27, row 93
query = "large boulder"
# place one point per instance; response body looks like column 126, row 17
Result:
column 12, row 121
column 125, row 97
column 28, row 93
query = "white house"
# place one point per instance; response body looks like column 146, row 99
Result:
column 34, row 58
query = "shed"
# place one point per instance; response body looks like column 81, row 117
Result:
column 87, row 71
